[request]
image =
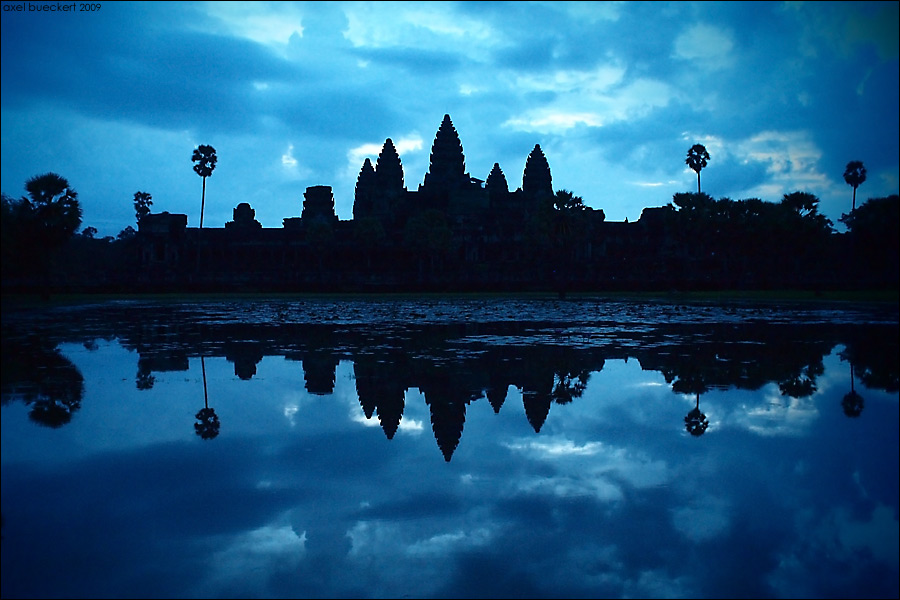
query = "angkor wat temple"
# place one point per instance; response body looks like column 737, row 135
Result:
column 457, row 232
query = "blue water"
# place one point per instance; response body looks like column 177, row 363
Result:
column 450, row 448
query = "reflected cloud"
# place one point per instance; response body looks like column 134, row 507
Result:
column 442, row 544
column 290, row 412
column 779, row 415
column 592, row 469
column 704, row 521
column 558, row 448
column 248, row 561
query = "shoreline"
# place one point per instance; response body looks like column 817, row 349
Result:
column 26, row 301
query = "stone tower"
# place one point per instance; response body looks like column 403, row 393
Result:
column 447, row 169
column 365, row 197
column 318, row 203
column 536, row 181
column 496, row 183
column 389, row 170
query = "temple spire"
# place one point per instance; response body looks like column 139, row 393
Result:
column 389, row 170
column 447, row 169
column 536, row 181
column 366, row 186
column 496, row 181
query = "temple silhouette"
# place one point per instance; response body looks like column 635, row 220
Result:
column 455, row 228
column 458, row 232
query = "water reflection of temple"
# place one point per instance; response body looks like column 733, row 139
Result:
column 452, row 369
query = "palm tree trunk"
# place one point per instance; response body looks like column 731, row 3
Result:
column 698, row 182
column 203, row 202
column 205, row 395
column 854, row 198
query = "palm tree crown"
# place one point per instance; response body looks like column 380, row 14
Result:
column 855, row 175
column 205, row 157
column 53, row 207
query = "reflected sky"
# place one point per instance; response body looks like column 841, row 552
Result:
column 301, row 494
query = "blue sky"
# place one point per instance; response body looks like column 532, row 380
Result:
column 782, row 94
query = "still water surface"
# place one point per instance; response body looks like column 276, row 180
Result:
column 450, row 448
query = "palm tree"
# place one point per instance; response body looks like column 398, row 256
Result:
column 54, row 207
column 855, row 176
column 697, row 158
column 207, row 425
column 142, row 203
column 205, row 157
column 852, row 403
column 695, row 422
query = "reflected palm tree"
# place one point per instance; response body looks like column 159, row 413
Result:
column 207, row 425
column 568, row 385
column 852, row 402
column 144, row 379
column 695, row 422
column 45, row 380
column 802, row 384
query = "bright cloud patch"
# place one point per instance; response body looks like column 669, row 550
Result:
column 706, row 45
column 779, row 415
column 590, row 469
column 598, row 80
column 792, row 160
column 549, row 120
column 594, row 101
column 253, row 22
column 287, row 159
column 416, row 25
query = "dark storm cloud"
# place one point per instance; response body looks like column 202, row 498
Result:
column 173, row 79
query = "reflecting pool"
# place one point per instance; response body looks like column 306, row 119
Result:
column 458, row 448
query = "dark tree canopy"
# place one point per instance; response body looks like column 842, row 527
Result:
column 55, row 211
column 875, row 219
column 142, row 203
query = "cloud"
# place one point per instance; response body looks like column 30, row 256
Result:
column 707, row 46
column 590, row 99
column 591, row 469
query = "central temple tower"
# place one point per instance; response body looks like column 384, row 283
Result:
column 447, row 170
